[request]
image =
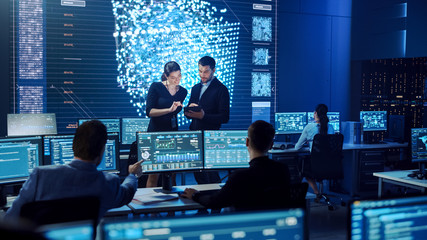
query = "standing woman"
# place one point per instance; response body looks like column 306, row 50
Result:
column 322, row 126
column 164, row 102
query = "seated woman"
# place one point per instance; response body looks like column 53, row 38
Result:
column 322, row 126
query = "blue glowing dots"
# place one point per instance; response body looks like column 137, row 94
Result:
column 262, row 29
column 260, row 56
column 261, row 84
column 150, row 33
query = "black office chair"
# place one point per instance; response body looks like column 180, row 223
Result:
column 326, row 161
column 62, row 210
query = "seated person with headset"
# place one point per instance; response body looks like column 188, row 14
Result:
column 264, row 185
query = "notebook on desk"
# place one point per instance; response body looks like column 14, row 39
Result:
column 154, row 197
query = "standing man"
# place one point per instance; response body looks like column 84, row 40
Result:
column 213, row 99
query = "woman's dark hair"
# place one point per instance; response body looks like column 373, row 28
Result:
column 322, row 111
column 261, row 135
column 169, row 68
column 89, row 139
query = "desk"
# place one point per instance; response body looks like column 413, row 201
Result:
column 399, row 178
column 359, row 163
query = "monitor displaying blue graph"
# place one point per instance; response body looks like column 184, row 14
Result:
column 132, row 125
column 170, row 151
column 290, row 122
column 282, row 224
column 112, row 124
column 374, row 120
column 225, row 149
column 419, row 144
column 403, row 218
column 31, row 124
column 334, row 119
column 58, row 150
column 18, row 157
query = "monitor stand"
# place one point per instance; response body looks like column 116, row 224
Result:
column 167, row 184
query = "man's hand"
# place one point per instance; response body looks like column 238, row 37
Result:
column 136, row 168
column 189, row 192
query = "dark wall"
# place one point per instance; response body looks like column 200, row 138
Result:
column 314, row 55
column 4, row 65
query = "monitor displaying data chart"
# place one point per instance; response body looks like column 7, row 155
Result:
column 31, row 124
column 334, row 119
column 374, row 120
column 282, row 224
column 419, row 144
column 290, row 122
column 58, row 150
column 403, row 218
column 80, row 230
column 224, row 149
column 18, row 157
column 112, row 124
column 132, row 125
column 170, row 151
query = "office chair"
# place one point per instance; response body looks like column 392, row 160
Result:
column 62, row 210
column 326, row 161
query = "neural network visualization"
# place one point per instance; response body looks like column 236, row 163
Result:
column 150, row 33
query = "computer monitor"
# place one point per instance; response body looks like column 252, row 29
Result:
column 290, row 122
column 374, row 120
column 396, row 128
column 18, row 157
column 281, row 224
column 112, row 124
column 132, row 125
column 419, row 144
column 225, row 149
column 403, row 218
column 334, row 119
column 31, row 124
column 69, row 230
column 58, row 150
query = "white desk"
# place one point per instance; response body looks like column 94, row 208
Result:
column 399, row 178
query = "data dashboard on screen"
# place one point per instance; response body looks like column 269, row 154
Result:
column 225, row 149
column 32, row 124
column 419, row 144
column 403, row 218
column 290, row 122
column 334, row 119
column 98, row 58
column 374, row 120
column 132, row 125
column 18, row 157
column 58, row 150
column 170, row 151
column 112, row 124
column 281, row 224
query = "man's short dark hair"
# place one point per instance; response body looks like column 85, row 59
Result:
column 207, row 61
column 261, row 135
column 89, row 140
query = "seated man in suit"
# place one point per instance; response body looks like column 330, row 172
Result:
column 264, row 185
column 80, row 177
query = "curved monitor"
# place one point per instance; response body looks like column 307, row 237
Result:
column 18, row 158
column 225, row 149
column 170, row 151
column 334, row 119
column 58, row 150
column 132, row 125
column 290, row 122
column 31, row 124
column 374, row 120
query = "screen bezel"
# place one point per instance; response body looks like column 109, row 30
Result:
column 175, row 170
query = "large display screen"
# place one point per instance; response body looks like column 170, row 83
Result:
column 18, row 157
column 98, row 58
column 31, row 124
column 403, row 218
column 374, row 120
column 225, row 149
column 290, row 122
column 170, row 151
column 283, row 224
